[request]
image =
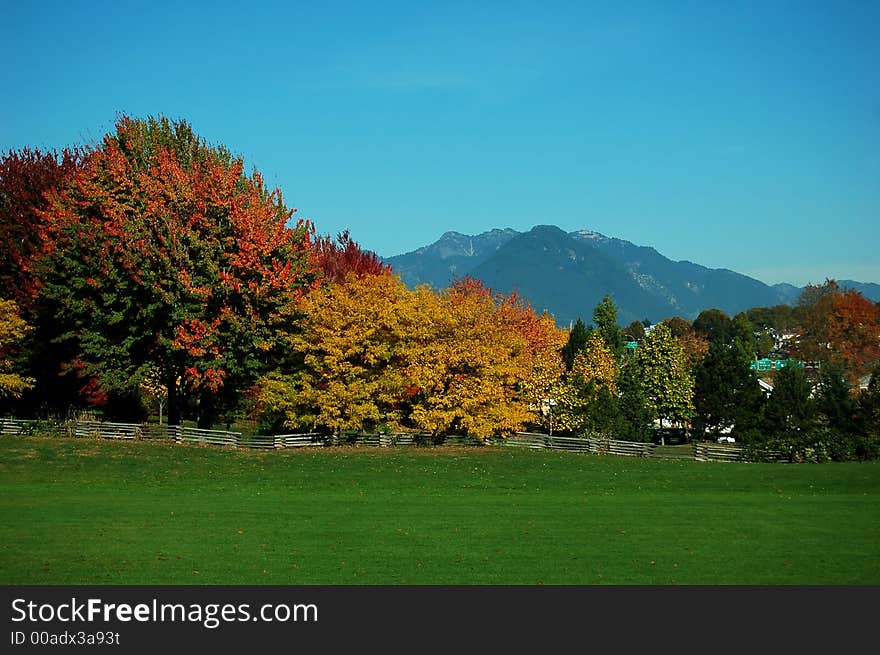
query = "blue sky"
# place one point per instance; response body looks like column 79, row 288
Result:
column 737, row 135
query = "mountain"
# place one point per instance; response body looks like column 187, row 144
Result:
column 867, row 289
column 452, row 255
column 788, row 294
column 568, row 273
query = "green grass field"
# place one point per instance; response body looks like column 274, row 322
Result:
column 90, row 512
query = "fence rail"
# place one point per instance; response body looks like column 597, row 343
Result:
column 13, row 426
column 702, row 452
column 580, row 444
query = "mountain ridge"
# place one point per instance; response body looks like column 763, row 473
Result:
column 568, row 273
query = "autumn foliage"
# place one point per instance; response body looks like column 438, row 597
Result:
column 376, row 354
column 12, row 330
column 595, row 369
column 839, row 327
column 161, row 253
column 152, row 272
column 26, row 178
column 339, row 258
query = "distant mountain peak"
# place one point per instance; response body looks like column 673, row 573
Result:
column 568, row 273
column 588, row 234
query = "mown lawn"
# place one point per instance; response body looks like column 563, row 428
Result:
column 92, row 512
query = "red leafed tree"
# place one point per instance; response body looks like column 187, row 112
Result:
column 164, row 261
column 343, row 256
column 839, row 326
column 854, row 332
column 25, row 178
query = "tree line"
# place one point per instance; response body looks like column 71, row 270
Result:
column 150, row 273
column 822, row 402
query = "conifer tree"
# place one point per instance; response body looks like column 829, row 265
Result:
column 790, row 407
column 577, row 341
column 605, row 320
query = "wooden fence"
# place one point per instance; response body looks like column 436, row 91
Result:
column 706, row 452
column 579, row 444
column 702, row 452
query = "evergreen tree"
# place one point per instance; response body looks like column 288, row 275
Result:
column 577, row 340
column 764, row 344
column 868, row 407
column 835, row 400
column 726, row 391
column 790, row 407
column 605, row 320
column 603, row 412
column 635, row 415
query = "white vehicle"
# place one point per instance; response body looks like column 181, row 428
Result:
column 726, row 440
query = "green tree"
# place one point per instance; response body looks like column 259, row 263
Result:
column 835, row 400
column 790, row 407
column 665, row 377
column 634, row 413
column 577, row 341
column 713, row 324
column 765, row 343
column 605, row 320
column 868, row 407
column 726, row 391
column 603, row 413
column 780, row 318
column 742, row 336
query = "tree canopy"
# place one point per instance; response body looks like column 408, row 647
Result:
column 26, row 178
column 665, row 377
column 375, row 354
column 161, row 254
column 13, row 329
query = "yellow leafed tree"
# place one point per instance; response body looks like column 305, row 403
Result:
column 470, row 372
column 12, row 330
column 373, row 353
column 348, row 349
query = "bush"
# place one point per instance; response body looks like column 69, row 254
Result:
column 818, row 444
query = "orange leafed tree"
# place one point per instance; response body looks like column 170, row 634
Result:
column 26, row 177
column 839, row 326
column 854, row 331
column 162, row 255
column 694, row 345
